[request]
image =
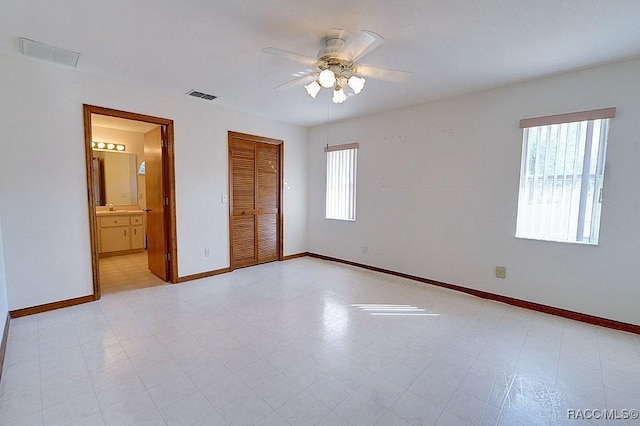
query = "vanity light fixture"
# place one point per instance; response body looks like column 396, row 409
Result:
column 108, row 146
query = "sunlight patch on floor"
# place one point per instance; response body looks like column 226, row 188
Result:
column 389, row 309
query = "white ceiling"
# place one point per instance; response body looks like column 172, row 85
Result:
column 450, row 46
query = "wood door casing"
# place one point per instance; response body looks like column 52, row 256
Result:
column 168, row 176
column 255, row 220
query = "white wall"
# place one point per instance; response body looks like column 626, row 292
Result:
column 4, row 304
column 438, row 188
column 43, row 194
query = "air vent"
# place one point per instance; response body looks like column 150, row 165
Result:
column 46, row 52
column 197, row 94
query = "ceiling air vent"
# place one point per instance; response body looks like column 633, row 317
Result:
column 197, row 94
column 46, row 52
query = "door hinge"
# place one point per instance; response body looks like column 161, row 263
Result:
column 600, row 196
column 169, row 257
column 164, row 143
column 166, row 201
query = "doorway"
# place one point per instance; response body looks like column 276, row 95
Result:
column 131, row 215
column 255, row 199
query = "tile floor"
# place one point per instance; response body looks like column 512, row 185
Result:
column 301, row 342
column 127, row 272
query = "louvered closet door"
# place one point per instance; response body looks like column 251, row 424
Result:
column 267, row 202
column 255, row 200
column 243, row 226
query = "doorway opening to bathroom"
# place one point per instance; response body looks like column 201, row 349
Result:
column 131, row 193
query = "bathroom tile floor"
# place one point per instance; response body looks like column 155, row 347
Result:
column 127, row 272
column 307, row 342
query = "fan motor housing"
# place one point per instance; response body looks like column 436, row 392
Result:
column 333, row 47
column 337, row 65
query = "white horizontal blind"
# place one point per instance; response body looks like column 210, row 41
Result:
column 561, row 178
column 342, row 164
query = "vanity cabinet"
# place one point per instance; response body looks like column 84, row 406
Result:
column 137, row 231
column 120, row 233
column 114, row 234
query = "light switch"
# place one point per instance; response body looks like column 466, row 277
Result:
column 224, row 198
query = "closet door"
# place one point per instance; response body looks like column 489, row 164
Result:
column 243, row 207
column 255, row 199
column 268, row 187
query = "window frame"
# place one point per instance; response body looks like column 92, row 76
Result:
column 350, row 195
column 588, row 117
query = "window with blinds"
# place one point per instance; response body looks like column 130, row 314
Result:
column 562, row 175
column 342, row 162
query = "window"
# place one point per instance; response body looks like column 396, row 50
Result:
column 342, row 161
column 561, row 176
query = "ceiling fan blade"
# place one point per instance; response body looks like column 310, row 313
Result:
column 387, row 74
column 289, row 55
column 360, row 45
column 304, row 79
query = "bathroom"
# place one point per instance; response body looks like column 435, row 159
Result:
column 119, row 187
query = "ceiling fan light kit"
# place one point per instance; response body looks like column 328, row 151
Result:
column 336, row 65
column 336, row 73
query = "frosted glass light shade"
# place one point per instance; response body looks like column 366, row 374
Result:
column 313, row 88
column 327, row 79
column 338, row 96
column 356, row 83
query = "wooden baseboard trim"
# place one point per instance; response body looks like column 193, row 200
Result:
column 295, row 256
column 3, row 345
column 226, row 270
column 590, row 319
column 51, row 306
column 203, row 275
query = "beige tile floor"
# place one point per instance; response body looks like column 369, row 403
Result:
column 309, row 342
column 128, row 272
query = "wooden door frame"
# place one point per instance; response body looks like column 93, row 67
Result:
column 256, row 139
column 168, row 175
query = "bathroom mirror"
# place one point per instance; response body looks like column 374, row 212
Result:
column 115, row 178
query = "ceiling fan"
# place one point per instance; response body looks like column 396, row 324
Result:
column 336, row 65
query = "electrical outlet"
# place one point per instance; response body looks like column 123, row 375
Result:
column 364, row 249
column 501, row 272
column 207, row 252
